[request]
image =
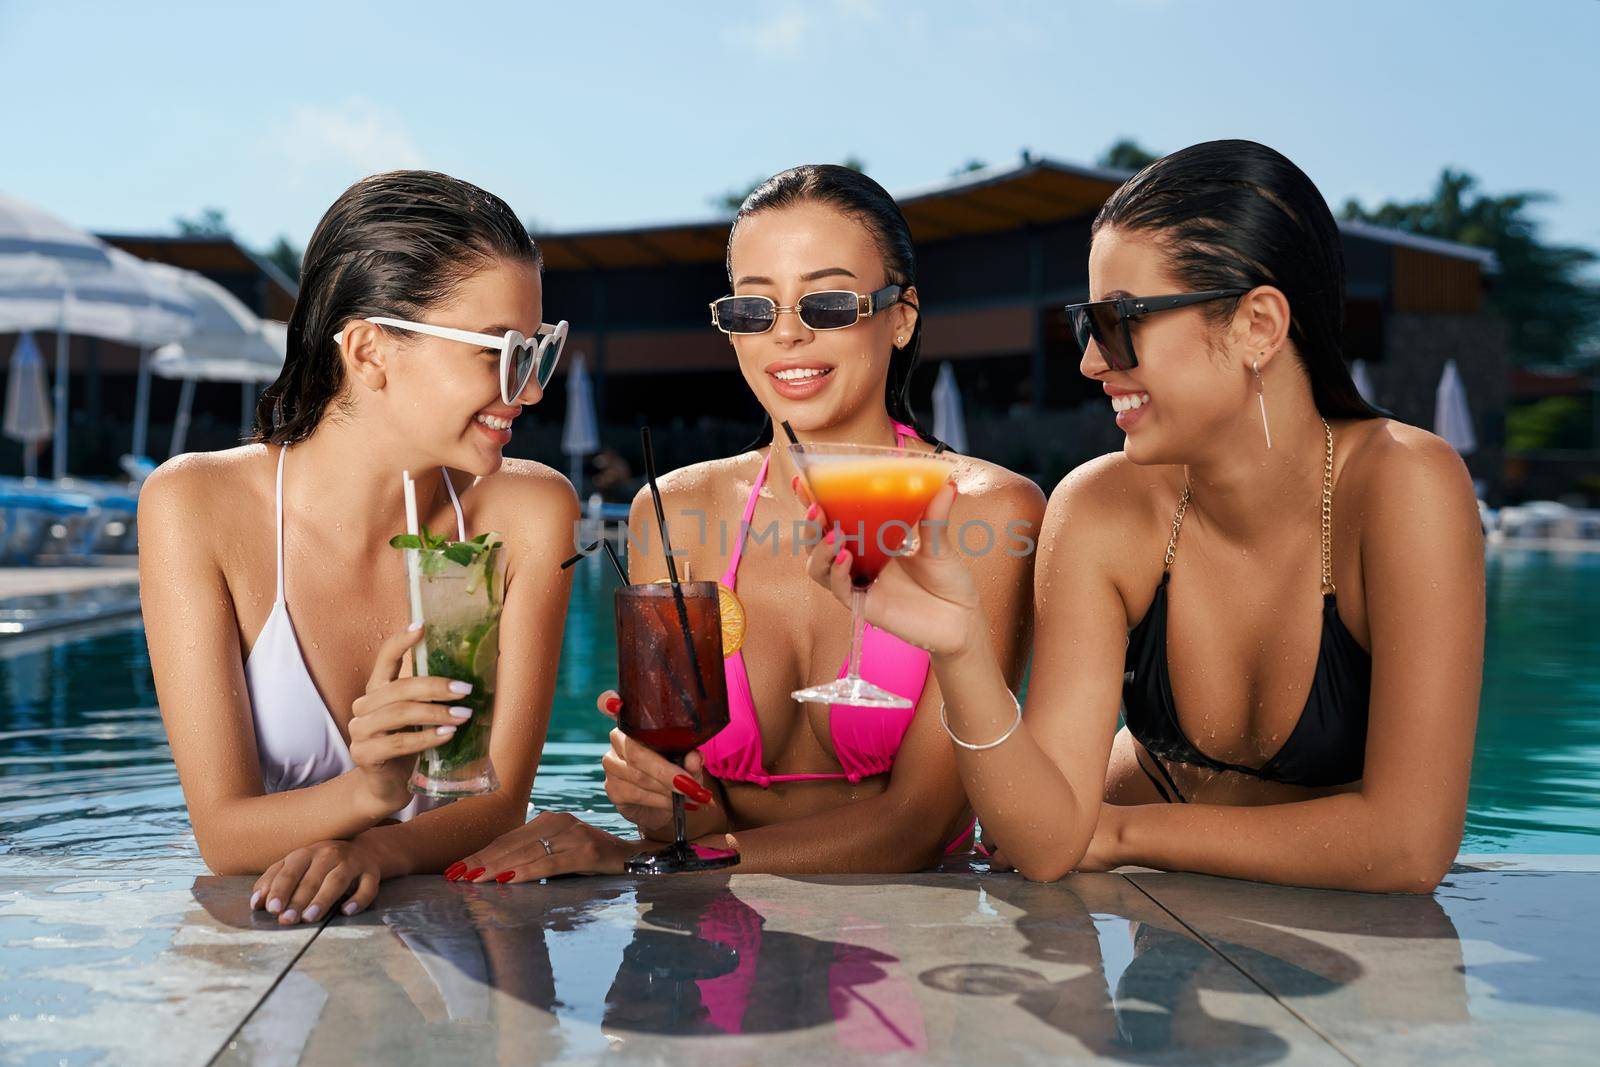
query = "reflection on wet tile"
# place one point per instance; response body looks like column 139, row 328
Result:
column 130, row 970
column 1094, row 961
column 941, row 968
column 1494, row 966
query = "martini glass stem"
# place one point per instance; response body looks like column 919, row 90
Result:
column 858, row 622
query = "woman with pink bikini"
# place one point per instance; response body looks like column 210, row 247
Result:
column 825, row 324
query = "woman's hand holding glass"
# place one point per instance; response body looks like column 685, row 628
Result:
column 395, row 719
column 925, row 596
column 640, row 783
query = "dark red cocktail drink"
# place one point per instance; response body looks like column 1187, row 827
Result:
column 674, row 693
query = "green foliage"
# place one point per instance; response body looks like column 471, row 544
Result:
column 211, row 222
column 1127, row 154
column 1550, row 309
column 286, row 257
column 1552, row 422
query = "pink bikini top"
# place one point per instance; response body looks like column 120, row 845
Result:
column 864, row 739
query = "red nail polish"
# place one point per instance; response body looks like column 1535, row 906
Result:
column 613, row 704
column 474, row 875
column 689, row 805
column 827, row 539
column 842, row 558
column 692, row 789
column 505, row 876
column 454, row 869
column 811, row 512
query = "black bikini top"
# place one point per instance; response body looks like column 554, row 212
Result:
column 1328, row 744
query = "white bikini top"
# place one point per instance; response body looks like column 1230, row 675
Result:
column 298, row 742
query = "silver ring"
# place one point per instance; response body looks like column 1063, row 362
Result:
column 549, row 849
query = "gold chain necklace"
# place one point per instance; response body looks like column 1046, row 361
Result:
column 1327, row 517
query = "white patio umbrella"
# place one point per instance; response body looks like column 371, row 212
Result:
column 250, row 364
column 580, row 433
column 229, row 344
column 53, row 277
column 27, row 417
column 25, row 230
column 1452, row 419
column 1363, row 380
column 949, row 423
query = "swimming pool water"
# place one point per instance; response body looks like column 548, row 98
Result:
column 86, row 778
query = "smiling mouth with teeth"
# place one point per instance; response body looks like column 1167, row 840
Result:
column 495, row 423
column 1129, row 402
column 801, row 374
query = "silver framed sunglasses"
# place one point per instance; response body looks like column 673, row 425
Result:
column 832, row 309
column 521, row 357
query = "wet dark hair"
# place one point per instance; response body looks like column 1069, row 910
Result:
column 393, row 244
column 1237, row 215
column 864, row 200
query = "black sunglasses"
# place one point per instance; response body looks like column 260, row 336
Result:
column 831, row 310
column 1105, row 322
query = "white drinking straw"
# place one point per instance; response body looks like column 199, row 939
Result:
column 414, row 572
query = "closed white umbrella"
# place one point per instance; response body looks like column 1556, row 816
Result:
column 27, row 417
column 949, row 423
column 1452, row 419
column 1363, row 380
column 580, row 433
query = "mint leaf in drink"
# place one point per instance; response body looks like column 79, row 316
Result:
column 461, row 552
column 405, row 541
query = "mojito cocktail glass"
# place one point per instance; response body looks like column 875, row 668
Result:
column 462, row 592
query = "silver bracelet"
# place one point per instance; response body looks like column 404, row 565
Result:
column 969, row 746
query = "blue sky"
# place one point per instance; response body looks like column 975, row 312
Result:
column 121, row 116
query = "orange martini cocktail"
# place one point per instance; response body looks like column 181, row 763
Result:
column 873, row 497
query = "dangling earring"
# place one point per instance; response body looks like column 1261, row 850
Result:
column 1261, row 397
column 900, row 341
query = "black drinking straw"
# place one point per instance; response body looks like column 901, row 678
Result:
column 611, row 554
column 798, row 467
column 672, row 566
column 622, row 575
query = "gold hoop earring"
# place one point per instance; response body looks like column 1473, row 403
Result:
column 1261, row 398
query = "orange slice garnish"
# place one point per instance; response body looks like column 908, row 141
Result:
column 731, row 610
column 732, row 620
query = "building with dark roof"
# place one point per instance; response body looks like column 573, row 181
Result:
column 999, row 252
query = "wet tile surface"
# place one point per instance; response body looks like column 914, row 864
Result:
column 123, row 969
column 936, row 968
column 1495, row 967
